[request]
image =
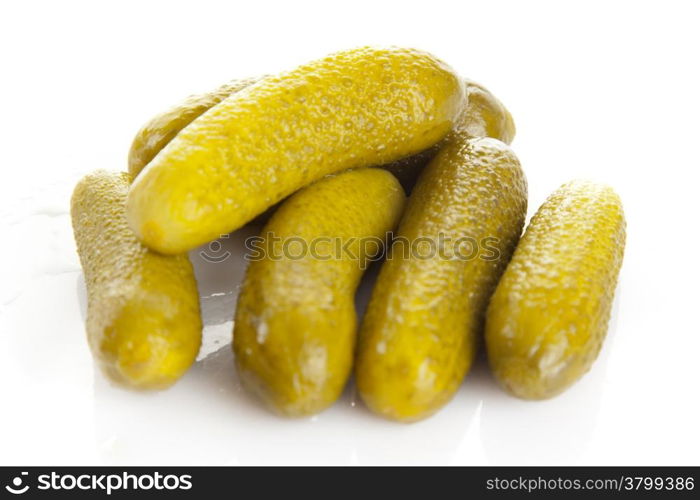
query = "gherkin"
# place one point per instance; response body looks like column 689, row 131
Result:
column 419, row 334
column 483, row 115
column 143, row 320
column 548, row 317
column 162, row 128
column 357, row 108
column 295, row 323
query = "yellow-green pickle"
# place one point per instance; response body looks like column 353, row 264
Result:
column 548, row 317
column 295, row 322
column 485, row 115
column 357, row 108
column 143, row 321
column 161, row 129
column 419, row 334
column 482, row 116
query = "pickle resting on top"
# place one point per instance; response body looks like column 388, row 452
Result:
column 483, row 115
column 162, row 128
column 357, row 108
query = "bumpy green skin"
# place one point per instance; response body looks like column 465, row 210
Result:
column 162, row 128
column 548, row 317
column 356, row 108
column 483, row 116
column 295, row 323
column 143, row 321
column 419, row 335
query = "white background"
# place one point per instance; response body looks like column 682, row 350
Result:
column 602, row 90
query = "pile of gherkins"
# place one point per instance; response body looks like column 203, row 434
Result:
column 333, row 147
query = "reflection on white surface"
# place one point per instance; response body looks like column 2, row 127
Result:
column 551, row 432
column 209, row 415
column 208, row 418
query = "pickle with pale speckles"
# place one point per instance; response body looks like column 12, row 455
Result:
column 357, row 108
column 548, row 317
column 482, row 116
column 295, row 323
column 143, row 321
column 419, row 334
column 162, row 128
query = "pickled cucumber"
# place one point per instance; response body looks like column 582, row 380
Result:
column 419, row 334
column 548, row 317
column 143, row 321
column 482, row 116
column 485, row 115
column 356, row 108
column 295, row 322
column 162, row 128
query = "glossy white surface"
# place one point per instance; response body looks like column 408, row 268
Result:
column 607, row 91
